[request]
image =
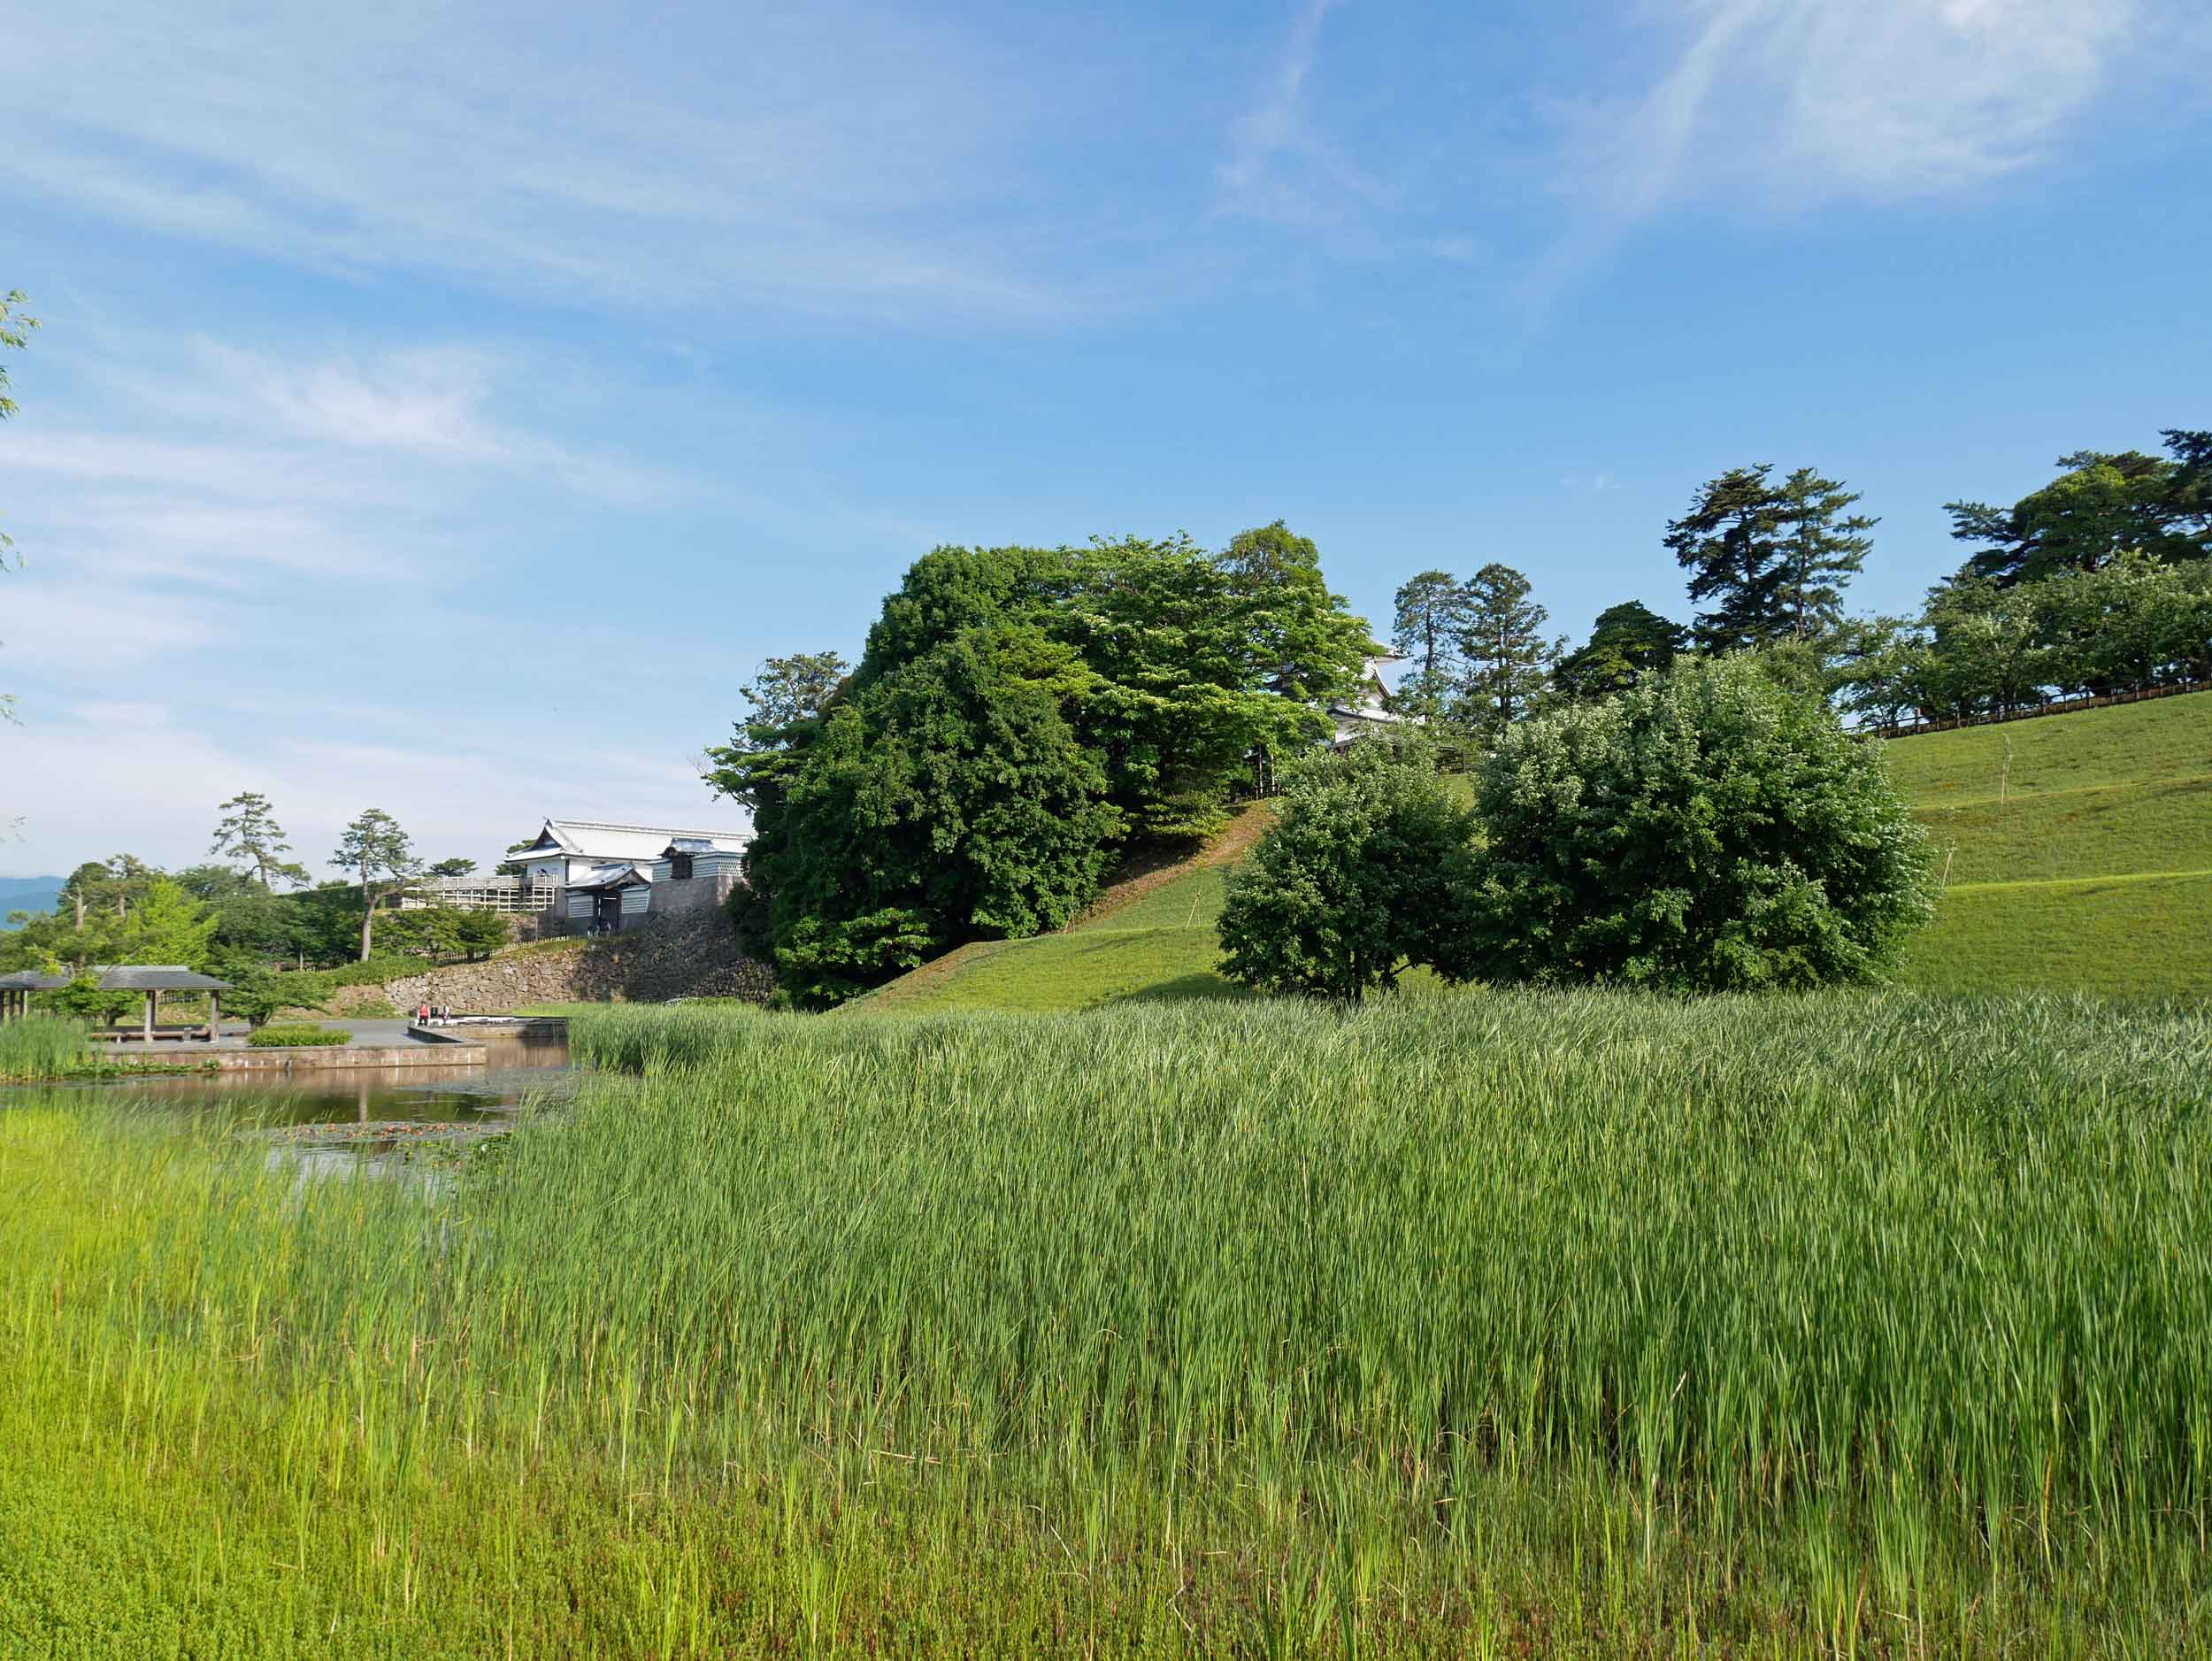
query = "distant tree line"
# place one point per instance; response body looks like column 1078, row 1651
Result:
column 1018, row 715
column 249, row 914
column 2096, row 583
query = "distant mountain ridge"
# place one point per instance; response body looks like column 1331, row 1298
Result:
column 27, row 893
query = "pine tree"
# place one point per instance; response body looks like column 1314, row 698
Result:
column 249, row 834
column 379, row 849
column 1822, row 550
column 1508, row 660
column 1628, row 641
column 1431, row 613
column 1731, row 542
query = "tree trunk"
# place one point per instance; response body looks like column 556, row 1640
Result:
column 368, row 914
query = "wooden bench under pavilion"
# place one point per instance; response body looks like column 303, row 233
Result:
column 154, row 979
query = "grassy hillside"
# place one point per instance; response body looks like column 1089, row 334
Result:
column 1151, row 937
column 2076, row 853
column 2078, row 847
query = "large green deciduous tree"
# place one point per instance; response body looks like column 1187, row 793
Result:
column 378, row 850
column 1628, row 641
column 1360, row 880
column 2132, row 623
column 1703, row 831
column 946, row 800
column 1986, row 651
column 1016, row 712
column 1287, row 631
column 169, row 925
column 1502, row 646
column 1880, row 668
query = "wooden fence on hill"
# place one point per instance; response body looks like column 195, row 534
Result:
column 2057, row 706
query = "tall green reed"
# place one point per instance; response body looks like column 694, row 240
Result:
column 43, row 1046
column 1848, row 1291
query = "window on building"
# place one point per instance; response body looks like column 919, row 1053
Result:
column 679, row 867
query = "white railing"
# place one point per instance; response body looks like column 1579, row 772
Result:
column 481, row 894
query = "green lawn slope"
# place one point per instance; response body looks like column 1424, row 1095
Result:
column 1151, row 937
column 2076, row 851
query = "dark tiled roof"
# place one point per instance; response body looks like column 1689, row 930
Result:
column 157, row 977
column 31, row 980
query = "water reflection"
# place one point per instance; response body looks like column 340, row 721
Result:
column 374, row 1121
column 517, row 1067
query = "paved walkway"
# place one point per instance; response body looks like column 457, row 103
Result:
column 367, row 1032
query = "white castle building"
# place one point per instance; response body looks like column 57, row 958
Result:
column 602, row 876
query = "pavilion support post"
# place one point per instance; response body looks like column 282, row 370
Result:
column 214, row 1015
column 151, row 996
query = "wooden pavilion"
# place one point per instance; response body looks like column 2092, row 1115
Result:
column 15, row 989
column 150, row 978
column 154, row 979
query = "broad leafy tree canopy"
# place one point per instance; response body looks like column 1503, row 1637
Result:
column 1704, row 830
column 1017, row 710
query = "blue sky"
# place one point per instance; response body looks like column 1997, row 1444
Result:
column 444, row 408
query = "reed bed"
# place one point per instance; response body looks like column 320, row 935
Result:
column 41, row 1046
column 1546, row 1324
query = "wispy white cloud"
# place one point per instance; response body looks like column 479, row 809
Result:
column 83, row 628
column 1789, row 104
column 1280, row 165
column 321, row 468
column 1803, row 101
column 825, row 158
column 432, row 405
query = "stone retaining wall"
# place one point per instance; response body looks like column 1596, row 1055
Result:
column 689, row 953
column 316, row 1058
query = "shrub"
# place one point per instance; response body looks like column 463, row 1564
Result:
column 1362, row 878
column 83, row 998
column 295, row 1037
column 479, row 933
column 1706, row 830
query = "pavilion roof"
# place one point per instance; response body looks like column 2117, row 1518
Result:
column 156, row 977
column 31, row 980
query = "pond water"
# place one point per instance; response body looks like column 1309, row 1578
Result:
column 518, row 1066
column 353, row 1118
